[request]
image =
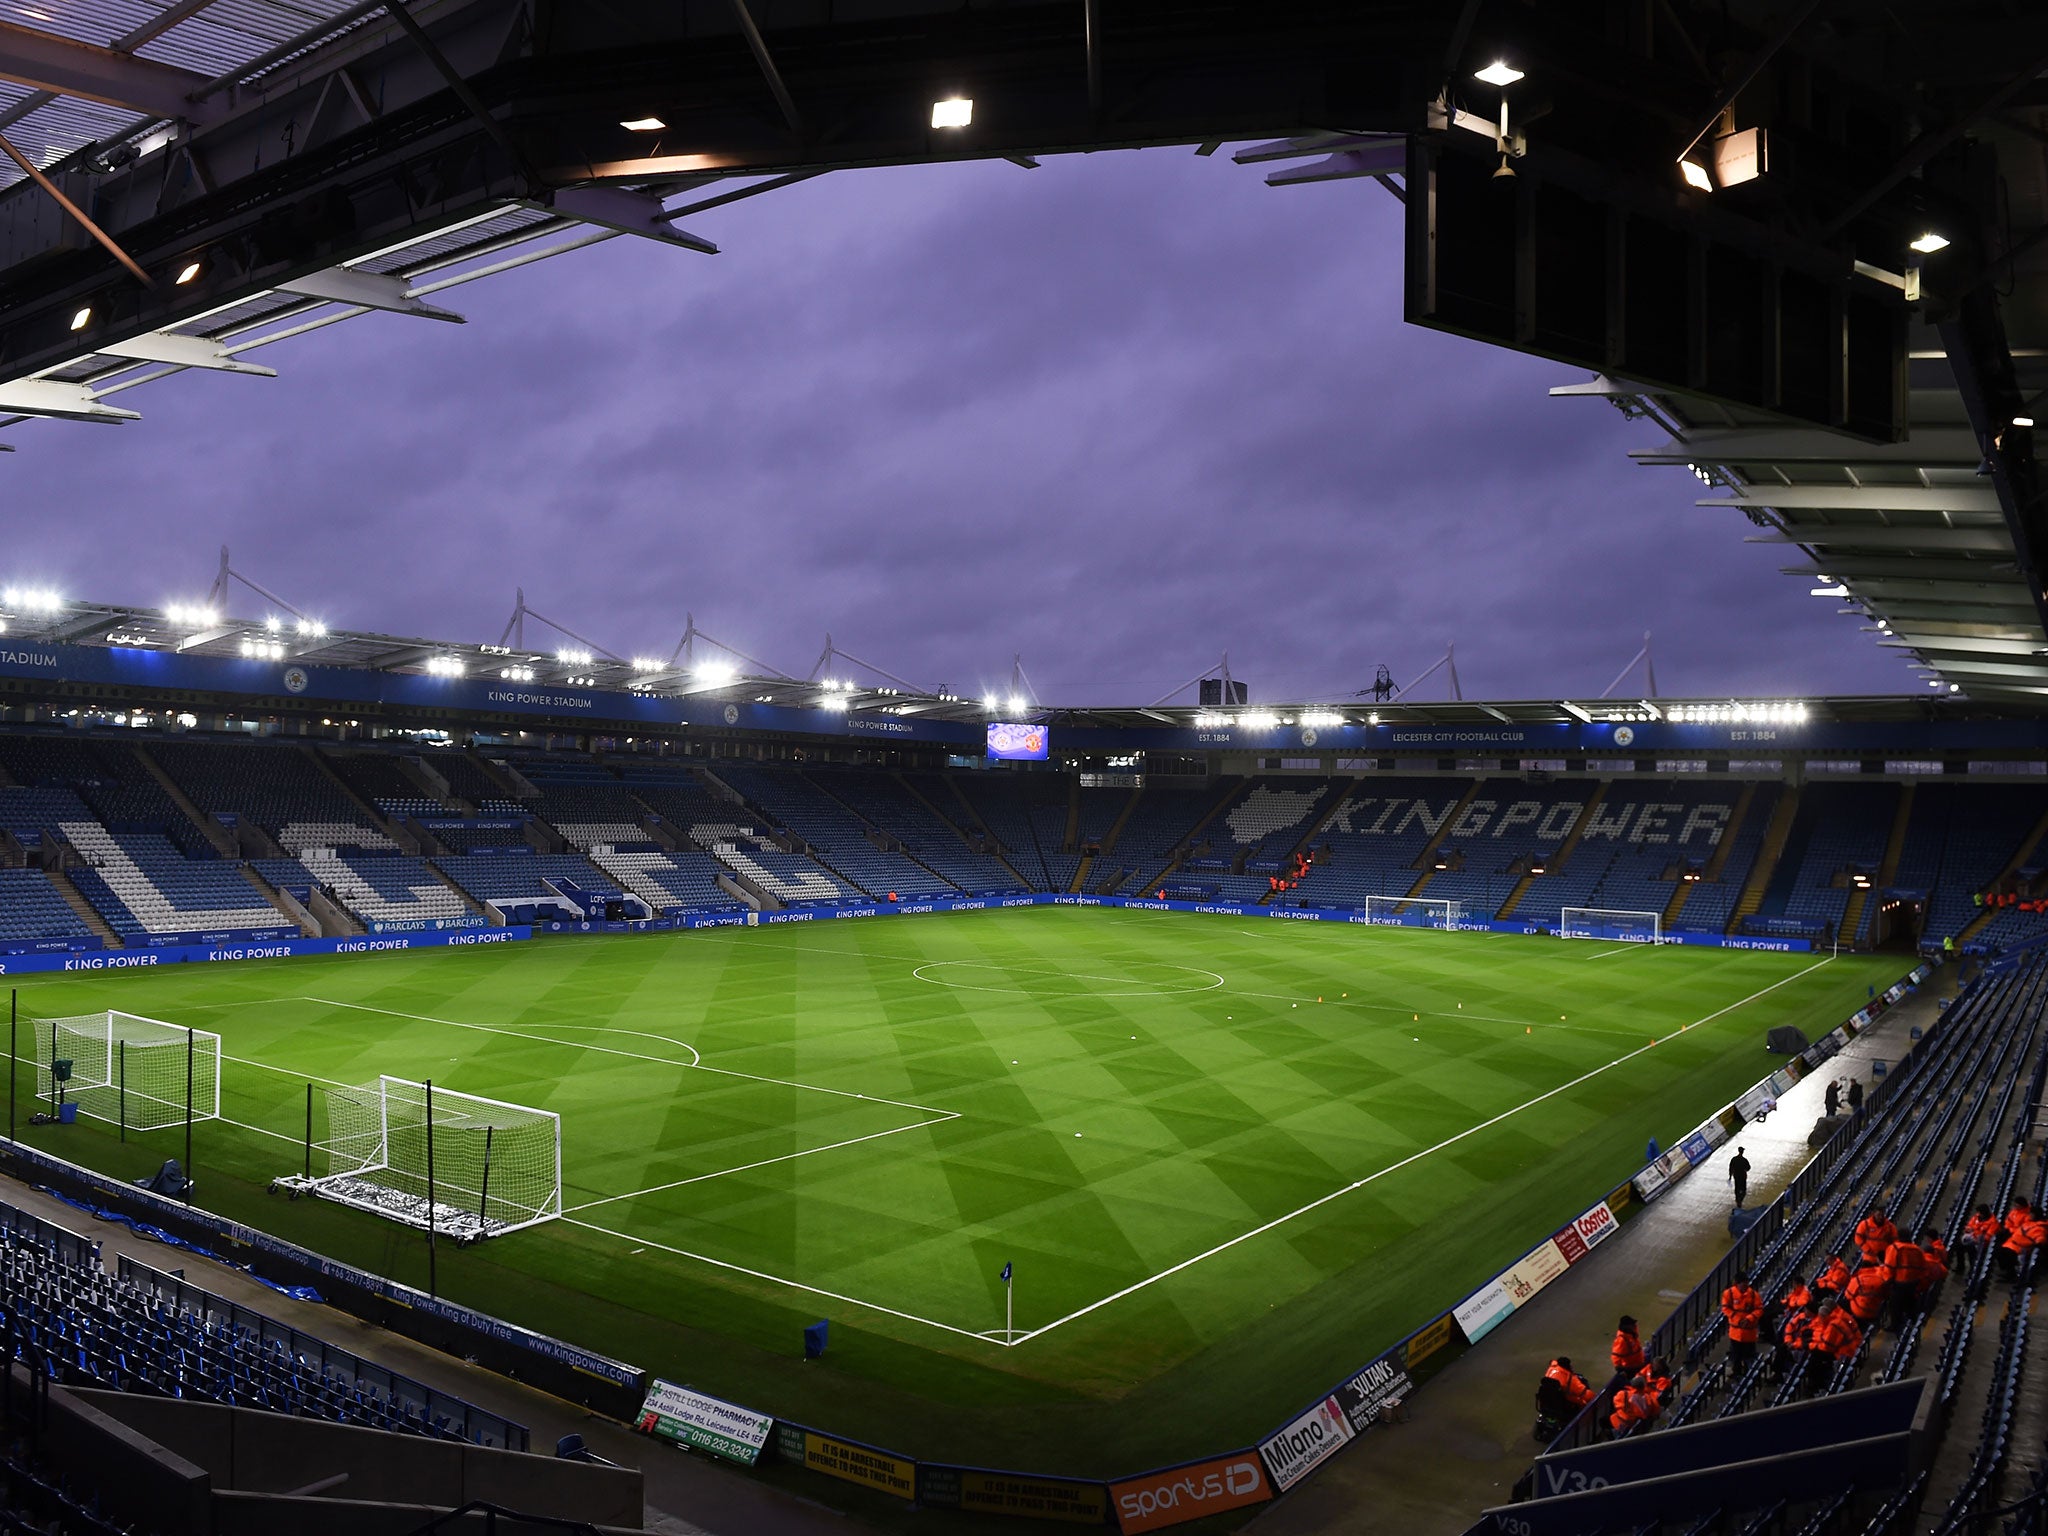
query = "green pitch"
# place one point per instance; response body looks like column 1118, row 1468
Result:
column 1229, row 1159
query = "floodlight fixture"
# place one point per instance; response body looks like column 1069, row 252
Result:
column 643, row 124
column 1016, row 703
column 1837, row 590
column 574, row 657
column 1929, row 243
column 445, row 666
column 189, row 273
column 1500, row 72
column 311, row 627
column 991, row 703
column 192, row 615
column 1696, row 176
column 1955, row 687
column 649, row 664
column 837, row 701
column 188, row 721
column 516, row 674
column 273, row 623
column 953, row 112
column 717, row 673
column 82, row 319
column 2023, row 421
column 1318, row 719
column 1258, row 720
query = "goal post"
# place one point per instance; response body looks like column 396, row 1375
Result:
column 457, row 1164
column 1622, row 927
column 141, row 1074
column 1414, row 911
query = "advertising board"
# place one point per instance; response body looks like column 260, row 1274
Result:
column 1175, row 1495
column 703, row 1423
column 1298, row 1447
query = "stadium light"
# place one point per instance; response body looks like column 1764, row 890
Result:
column 1696, row 176
column 311, row 627
column 516, row 674
column 261, row 650
column 82, row 319
column 1373, row 718
column 190, row 272
column 273, row 623
column 1500, row 72
column 991, row 703
column 2023, row 421
column 445, row 666
column 836, row 701
column 1321, row 718
column 643, row 124
column 649, row 664
column 573, row 657
column 1016, row 703
column 192, row 615
column 188, row 721
column 31, row 599
column 716, row 673
column 1929, row 243
column 1258, row 720
column 953, row 112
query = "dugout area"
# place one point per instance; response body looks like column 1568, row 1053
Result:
column 1225, row 1158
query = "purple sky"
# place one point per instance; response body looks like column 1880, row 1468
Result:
column 1120, row 413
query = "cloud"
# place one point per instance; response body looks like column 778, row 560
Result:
column 1120, row 414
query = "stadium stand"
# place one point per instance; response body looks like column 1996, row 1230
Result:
column 1372, row 843
column 141, row 885
column 279, row 788
column 387, row 890
column 469, row 782
column 1710, row 904
column 683, row 881
column 1840, row 828
column 1161, row 828
column 514, row 880
column 837, row 837
column 1947, row 1130
column 1635, row 845
column 34, row 916
column 589, row 811
column 1504, row 827
column 380, row 779
column 891, row 806
column 145, row 1332
column 1026, row 813
column 1960, row 839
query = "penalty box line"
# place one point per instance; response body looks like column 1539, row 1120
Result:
column 1338, row 1194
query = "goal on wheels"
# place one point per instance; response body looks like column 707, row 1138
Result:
column 1414, row 911
column 142, row 1074
column 457, row 1164
column 1604, row 923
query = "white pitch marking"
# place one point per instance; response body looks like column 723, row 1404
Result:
column 1214, row 982
column 795, row 1285
column 1358, row 1184
column 1619, row 949
column 786, row 1157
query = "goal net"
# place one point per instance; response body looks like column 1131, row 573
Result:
column 1603, row 923
column 128, row 1070
column 449, row 1162
column 1414, row 911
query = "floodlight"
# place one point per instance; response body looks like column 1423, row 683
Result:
column 1955, row 687
column 574, row 657
column 1500, row 72
column 273, row 623
column 188, row 721
column 1929, row 243
column 836, row 701
column 953, row 112
column 82, row 319
column 189, row 272
column 1837, row 590
column 1258, row 720
column 1696, row 176
column 1016, row 703
column 716, row 673
column 2023, row 421
column 1372, row 719
column 311, row 627
column 648, row 664
column 644, row 124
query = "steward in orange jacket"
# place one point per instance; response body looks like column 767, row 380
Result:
column 1874, row 1234
column 1795, row 1333
column 1627, row 1350
column 1982, row 1231
column 1633, row 1406
column 1744, row 1310
column 1865, row 1293
column 1937, row 1261
column 1569, row 1381
column 1835, row 1333
column 1833, row 1277
column 1909, row 1266
column 2024, row 1232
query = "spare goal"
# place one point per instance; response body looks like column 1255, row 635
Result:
column 1414, row 911
column 142, row 1074
column 447, row 1162
column 1604, row 923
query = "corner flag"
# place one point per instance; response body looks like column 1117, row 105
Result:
column 1005, row 1275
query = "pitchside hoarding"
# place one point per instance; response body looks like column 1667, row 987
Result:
column 1300, row 1446
column 704, row 1423
column 1175, row 1495
column 1016, row 1494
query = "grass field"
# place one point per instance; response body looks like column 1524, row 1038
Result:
column 1228, row 1159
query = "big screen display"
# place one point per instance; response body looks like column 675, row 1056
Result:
column 1017, row 743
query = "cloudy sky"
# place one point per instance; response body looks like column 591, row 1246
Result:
column 1120, row 414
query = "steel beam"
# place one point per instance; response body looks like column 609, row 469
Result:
column 67, row 68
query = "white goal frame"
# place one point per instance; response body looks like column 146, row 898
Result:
column 1386, row 910
column 1590, row 923
column 374, row 1158
column 128, row 1070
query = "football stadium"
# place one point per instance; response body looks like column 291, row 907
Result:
column 487, row 1081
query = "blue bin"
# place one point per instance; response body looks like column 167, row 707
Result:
column 67, row 1112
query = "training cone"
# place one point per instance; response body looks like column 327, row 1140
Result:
column 1528, row 1030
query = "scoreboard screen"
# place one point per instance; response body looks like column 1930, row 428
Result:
column 1017, row 743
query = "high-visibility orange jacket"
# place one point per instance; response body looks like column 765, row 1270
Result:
column 1798, row 1296
column 1936, row 1254
column 1874, row 1234
column 1907, row 1261
column 1626, row 1352
column 1835, row 1334
column 1797, row 1330
column 1651, row 1381
column 1834, row 1277
column 1982, row 1229
column 1744, row 1309
column 1632, row 1406
column 1571, row 1383
column 2025, row 1233
column 2018, row 1215
column 1864, row 1294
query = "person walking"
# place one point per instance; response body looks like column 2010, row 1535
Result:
column 1855, row 1095
column 1738, row 1175
column 1833, row 1099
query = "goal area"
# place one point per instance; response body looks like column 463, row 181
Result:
column 137, row 1073
column 451, row 1163
column 1414, row 911
column 1606, row 923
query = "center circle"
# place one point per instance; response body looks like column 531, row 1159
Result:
column 1142, row 978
